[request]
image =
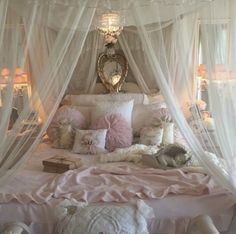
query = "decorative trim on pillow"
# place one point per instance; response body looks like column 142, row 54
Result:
column 119, row 134
column 90, row 141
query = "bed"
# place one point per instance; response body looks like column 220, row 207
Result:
column 175, row 197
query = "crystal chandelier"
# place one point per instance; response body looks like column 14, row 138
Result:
column 110, row 24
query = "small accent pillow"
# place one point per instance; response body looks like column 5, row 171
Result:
column 151, row 136
column 65, row 136
column 104, row 108
column 119, row 133
column 90, row 141
column 65, row 115
column 168, row 133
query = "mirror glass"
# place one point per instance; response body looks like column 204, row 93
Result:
column 112, row 70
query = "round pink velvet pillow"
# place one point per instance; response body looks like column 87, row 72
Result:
column 119, row 134
column 65, row 114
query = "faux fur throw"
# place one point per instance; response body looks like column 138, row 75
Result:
column 131, row 154
column 172, row 155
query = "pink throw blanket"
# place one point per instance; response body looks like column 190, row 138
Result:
column 116, row 183
column 122, row 183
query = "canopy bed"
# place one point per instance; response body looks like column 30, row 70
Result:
column 115, row 126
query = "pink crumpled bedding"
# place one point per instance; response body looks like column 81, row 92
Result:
column 119, row 183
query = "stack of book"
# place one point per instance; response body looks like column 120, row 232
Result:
column 60, row 164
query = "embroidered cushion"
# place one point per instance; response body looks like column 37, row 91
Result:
column 90, row 141
column 119, row 133
column 74, row 217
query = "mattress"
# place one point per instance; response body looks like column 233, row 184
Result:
column 172, row 212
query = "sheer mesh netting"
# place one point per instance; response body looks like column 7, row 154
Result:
column 184, row 48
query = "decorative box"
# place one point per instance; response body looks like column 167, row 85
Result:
column 60, row 164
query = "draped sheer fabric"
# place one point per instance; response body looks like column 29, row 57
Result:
column 57, row 44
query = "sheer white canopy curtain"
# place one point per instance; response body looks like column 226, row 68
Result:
column 173, row 66
column 31, row 36
column 164, row 41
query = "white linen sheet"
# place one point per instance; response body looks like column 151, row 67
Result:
column 172, row 213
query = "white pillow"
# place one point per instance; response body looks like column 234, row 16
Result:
column 90, row 141
column 142, row 116
column 104, row 108
column 168, row 133
column 91, row 99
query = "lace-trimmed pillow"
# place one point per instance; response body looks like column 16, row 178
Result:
column 119, row 133
column 90, row 141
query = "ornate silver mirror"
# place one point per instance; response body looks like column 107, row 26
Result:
column 112, row 70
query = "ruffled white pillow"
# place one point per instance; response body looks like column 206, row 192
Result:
column 90, row 141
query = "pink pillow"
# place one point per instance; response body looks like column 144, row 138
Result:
column 119, row 134
column 65, row 115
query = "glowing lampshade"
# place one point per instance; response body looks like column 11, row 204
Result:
column 20, row 76
column 18, row 71
column 5, row 72
column 22, row 79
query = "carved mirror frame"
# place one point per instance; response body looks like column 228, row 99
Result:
column 112, row 70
